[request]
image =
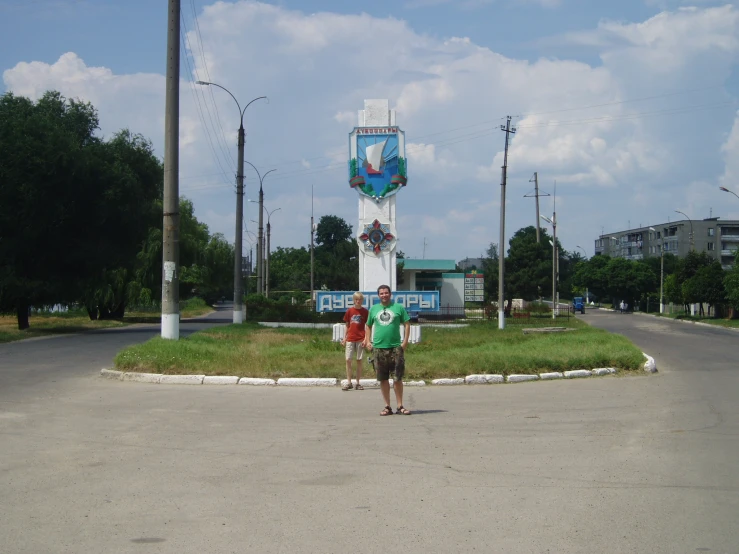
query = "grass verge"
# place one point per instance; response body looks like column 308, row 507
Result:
column 249, row 350
column 45, row 324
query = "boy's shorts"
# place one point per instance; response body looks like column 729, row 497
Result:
column 389, row 360
column 354, row 350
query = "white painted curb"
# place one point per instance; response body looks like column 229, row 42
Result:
column 576, row 373
column 220, row 380
column 182, row 379
column 551, row 375
column 483, row 379
column 111, row 374
column 521, row 378
column 307, row 382
column 458, row 381
column 142, row 377
column 600, row 371
column 650, row 366
column 257, row 382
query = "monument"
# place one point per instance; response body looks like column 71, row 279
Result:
column 377, row 171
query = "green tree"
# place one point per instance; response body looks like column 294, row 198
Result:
column 731, row 286
column 332, row 231
column 706, row 287
column 593, row 275
column 48, row 200
column 528, row 265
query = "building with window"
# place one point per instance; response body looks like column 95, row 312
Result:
column 720, row 239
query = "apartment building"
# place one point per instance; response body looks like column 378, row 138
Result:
column 720, row 239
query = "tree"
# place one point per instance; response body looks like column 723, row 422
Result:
column 529, row 265
column 331, row 231
column 628, row 280
column 49, row 199
column 593, row 275
column 490, row 269
column 731, row 285
column 706, row 286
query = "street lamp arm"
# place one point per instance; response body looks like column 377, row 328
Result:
column 249, row 104
column 258, row 175
column 730, row 191
column 208, row 83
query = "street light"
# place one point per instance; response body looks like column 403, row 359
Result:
column 238, row 312
column 583, row 251
column 553, row 242
column 260, row 253
column 692, row 245
column 266, row 266
column 727, row 190
column 661, row 269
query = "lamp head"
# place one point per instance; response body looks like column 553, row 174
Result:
column 202, row 83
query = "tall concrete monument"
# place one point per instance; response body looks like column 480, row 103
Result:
column 377, row 171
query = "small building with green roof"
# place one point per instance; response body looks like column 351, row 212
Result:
column 439, row 275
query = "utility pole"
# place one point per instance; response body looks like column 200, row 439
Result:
column 535, row 179
column 501, row 255
column 312, row 230
column 266, row 265
column 170, row 327
column 424, row 248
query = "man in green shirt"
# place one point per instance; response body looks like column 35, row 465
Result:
column 385, row 318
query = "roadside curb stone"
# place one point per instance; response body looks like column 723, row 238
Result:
column 650, row 366
column 447, row 382
column 600, row 371
column 576, row 373
column 182, row 379
column 257, row 382
column 220, row 380
column 483, row 379
column 551, row 375
column 142, row 377
column 307, row 381
column 521, row 378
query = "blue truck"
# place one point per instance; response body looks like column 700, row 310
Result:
column 578, row 304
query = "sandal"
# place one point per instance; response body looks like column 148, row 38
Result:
column 401, row 410
column 347, row 387
column 387, row 411
column 359, row 387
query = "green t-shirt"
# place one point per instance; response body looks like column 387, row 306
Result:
column 388, row 319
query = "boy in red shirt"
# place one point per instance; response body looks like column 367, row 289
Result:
column 355, row 318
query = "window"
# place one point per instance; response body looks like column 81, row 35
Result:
column 710, row 245
column 711, row 232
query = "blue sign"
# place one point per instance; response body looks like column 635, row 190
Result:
column 413, row 301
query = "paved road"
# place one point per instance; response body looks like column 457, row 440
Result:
column 625, row 464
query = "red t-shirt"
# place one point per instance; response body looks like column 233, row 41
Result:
column 357, row 319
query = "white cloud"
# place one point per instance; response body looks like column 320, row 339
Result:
column 615, row 162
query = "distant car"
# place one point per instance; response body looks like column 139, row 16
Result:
column 578, row 304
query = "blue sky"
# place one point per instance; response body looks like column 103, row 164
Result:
column 630, row 106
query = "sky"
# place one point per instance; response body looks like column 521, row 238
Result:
column 628, row 110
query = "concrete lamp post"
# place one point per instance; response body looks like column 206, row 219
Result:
column 553, row 242
column 266, row 266
column 661, row 269
column 238, row 311
column 692, row 243
column 260, row 250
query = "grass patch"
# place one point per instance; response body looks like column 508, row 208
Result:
column 249, row 350
column 77, row 321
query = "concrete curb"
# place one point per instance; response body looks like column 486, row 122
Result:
column 650, row 366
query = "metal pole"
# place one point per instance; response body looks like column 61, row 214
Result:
column 170, row 326
column 238, row 311
column 661, row 276
column 260, row 240
column 311, row 245
column 266, row 266
column 501, row 255
column 536, row 185
column 554, row 265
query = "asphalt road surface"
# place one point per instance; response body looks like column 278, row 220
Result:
column 644, row 463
